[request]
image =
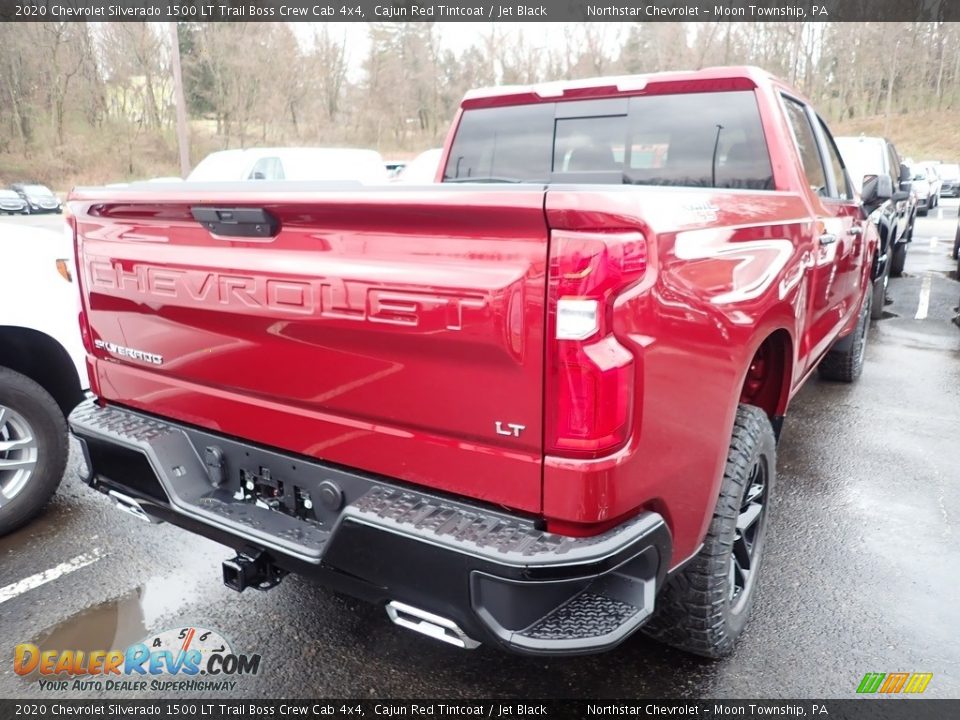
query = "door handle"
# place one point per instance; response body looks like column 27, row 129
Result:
column 828, row 239
column 856, row 230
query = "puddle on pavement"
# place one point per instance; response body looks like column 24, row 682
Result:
column 116, row 624
column 112, row 625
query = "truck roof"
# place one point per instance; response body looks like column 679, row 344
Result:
column 742, row 77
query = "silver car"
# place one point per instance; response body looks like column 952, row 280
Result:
column 11, row 203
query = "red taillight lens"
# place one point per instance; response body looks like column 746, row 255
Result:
column 71, row 222
column 590, row 376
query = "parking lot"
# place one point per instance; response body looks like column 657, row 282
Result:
column 861, row 566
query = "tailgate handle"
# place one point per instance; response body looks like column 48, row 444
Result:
column 245, row 222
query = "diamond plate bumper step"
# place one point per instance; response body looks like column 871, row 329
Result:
column 496, row 575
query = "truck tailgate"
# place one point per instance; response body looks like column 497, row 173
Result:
column 395, row 331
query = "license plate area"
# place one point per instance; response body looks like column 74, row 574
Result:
column 284, row 484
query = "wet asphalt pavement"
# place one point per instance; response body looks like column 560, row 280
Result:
column 862, row 572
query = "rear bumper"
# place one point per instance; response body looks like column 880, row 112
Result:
column 497, row 576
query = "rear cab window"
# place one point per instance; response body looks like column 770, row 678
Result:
column 709, row 139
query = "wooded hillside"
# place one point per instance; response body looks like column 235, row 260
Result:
column 83, row 103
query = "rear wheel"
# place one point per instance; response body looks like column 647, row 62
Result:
column 844, row 363
column 704, row 609
column 33, row 449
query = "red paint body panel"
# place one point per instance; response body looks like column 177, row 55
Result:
column 390, row 331
column 347, row 337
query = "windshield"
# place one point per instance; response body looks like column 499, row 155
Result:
column 222, row 165
column 862, row 156
column 710, row 139
column 316, row 164
column 36, row 190
column 334, row 164
column 950, row 172
column 9, row 194
column 423, row 170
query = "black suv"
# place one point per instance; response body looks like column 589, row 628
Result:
column 876, row 168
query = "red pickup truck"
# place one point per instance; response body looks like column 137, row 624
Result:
column 534, row 405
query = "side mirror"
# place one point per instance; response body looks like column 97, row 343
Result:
column 904, row 173
column 259, row 176
column 876, row 189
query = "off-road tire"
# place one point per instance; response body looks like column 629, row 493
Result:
column 694, row 611
column 898, row 259
column 49, row 428
column 845, row 364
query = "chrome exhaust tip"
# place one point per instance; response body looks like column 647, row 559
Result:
column 426, row 623
column 132, row 507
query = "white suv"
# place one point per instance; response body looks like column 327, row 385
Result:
column 42, row 367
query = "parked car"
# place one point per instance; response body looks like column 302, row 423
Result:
column 41, row 366
column 922, row 187
column 932, row 170
column 891, row 201
column 12, row 204
column 298, row 163
column 536, row 408
column 424, row 168
column 950, row 178
column 39, row 198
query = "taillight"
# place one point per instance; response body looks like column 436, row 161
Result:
column 590, row 375
column 71, row 228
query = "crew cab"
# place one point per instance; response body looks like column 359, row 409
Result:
column 535, row 404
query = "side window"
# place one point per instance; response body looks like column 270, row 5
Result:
column 807, row 146
column 894, row 165
column 839, row 172
column 267, row 168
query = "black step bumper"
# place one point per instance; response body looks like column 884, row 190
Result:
column 498, row 576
